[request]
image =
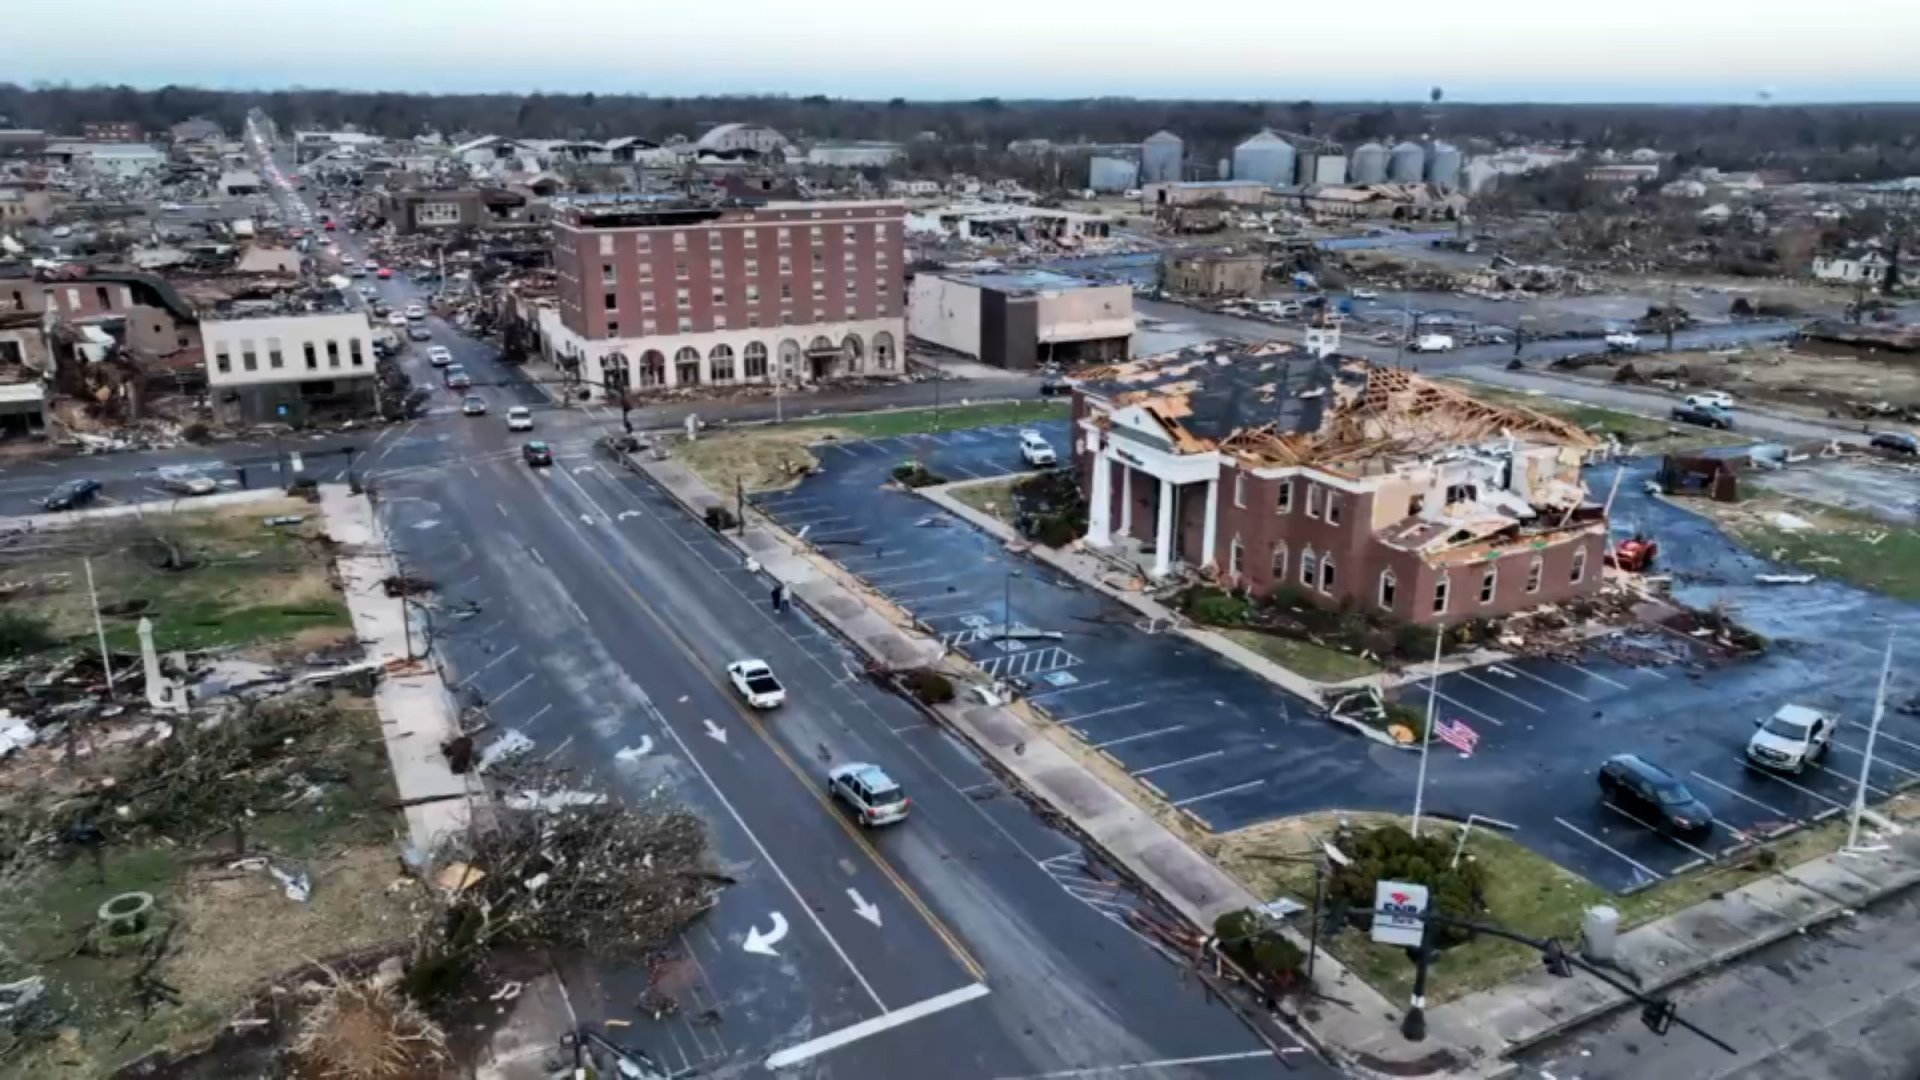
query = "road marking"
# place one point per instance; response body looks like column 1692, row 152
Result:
column 1852, row 781
column 1650, row 827
column 1592, row 674
column 544, row 709
column 1066, row 689
column 1223, row 791
column 1142, row 1066
column 502, row 509
column 763, row 943
column 535, row 552
column 871, row 574
column 1543, row 682
column 1782, row 814
column 497, row 698
column 1602, row 845
column 1651, row 672
column 483, row 667
column 1511, row 697
column 1494, row 720
column 969, row 473
column 578, row 611
column 716, row 732
column 1778, row 779
column 1209, row 756
column 1897, row 741
column 867, row 911
column 1142, row 735
column 555, row 752
column 813, row 1048
column 1878, row 760
column 1107, row 712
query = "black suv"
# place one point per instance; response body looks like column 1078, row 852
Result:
column 1897, row 442
column 71, row 495
column 1651, row 794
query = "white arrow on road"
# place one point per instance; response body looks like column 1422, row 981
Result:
column 763, row 943
column 635, row 753
column 625, row 514
column 578, row 469
column 716, row 732
column 869, row 912
column 586, row 519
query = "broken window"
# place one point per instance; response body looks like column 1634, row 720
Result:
column 1440, row 595
column 1307, row 568
column 1489, row 581
column 1388, row 583
column 612, row 301
column 1579, row 566
column 1534, row 569
column 720, row 363
column 1326, row 573
column 1459, row 493
column 354, row 356
column 313, row 358
column 247, row 358
column 1240, row 489
column 1333, row 508
column 333, row 354
column 224, row 362
column 1237, row 558
column 1416, row 503
column 1279, row 563
column 686, row 367
column 1313, row 500
column 106, row 300
column 609, row 274
column 1283, row 502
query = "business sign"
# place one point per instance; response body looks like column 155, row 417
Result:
column 1399, row 910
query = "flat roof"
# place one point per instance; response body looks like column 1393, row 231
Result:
column 1023, row 281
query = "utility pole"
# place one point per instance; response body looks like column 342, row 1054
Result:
column 100, row 630
column 1673, row 313
column 936, row 393
column 1873, row 733
column 1426, row 737
column 740, row 504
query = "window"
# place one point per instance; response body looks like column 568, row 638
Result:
column 1534, row 569
column 756, row 360
column 613, row 301
column 719, row 320
column 716, row 268
column 753, row 266
column 313, row 358
column 613, row 328
column 1388, row 583
column 1313, row 500
column 686, row 325
column 1237, row 558
column 786, row 291
column 813, row 233
column 819, row 288
column 645, row 242
column 679, row 241
column 846, row 231
column 753, row 320
column 719, row 295
column 106, row 299
column 649, row 326
column 680, row 270
column 1240, row 489
column 1459, row 493
column 880, row 230
column 606, row 243
column 819, row 262
column 646, row 270
column 686, row 365
column 1440, row 595
column 646, row 301
column 609, row 275
column 274, row 359
column 1279, row 563
column 1579, row 566
column 333, row 354
column 786, row 239
column 353, row 353
column 222, row 361
column 1333, row 508
column 682, row 297
column 1415, row 503
column 1307, row 568
column 1283, row 500
column 1326, row 573
column 786, row 318
column 1489, row 582
column 753, row 294
column 753, row 237
column 852, row 286
column 247, row 358
column 786, row 265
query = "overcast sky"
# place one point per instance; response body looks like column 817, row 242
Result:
column 1478, row 50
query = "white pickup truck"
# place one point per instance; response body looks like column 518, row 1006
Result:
column 1791, row 739
column 1433, row 343
column 755, row 682
column 1621, row 341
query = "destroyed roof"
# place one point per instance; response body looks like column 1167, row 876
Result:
column 1206, row 394
column 1023, row 281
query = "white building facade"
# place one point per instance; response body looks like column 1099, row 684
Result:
column 290, row 368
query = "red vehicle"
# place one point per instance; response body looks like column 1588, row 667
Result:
column 1634, row 556
column 384, row 274
column 329, row 226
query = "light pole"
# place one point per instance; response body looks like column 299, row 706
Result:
column 1006, row 600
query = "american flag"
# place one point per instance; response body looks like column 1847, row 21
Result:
column 1457, row 734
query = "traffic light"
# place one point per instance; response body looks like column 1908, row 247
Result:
column 1658, row 1016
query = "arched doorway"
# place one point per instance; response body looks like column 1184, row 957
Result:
column 653, row 368
column 883, row 351
column 853, row 355
column 755, row 356
column 720, row 363
column 789, row 361
column 823, row 358
column 616, row 375
column 686, row 366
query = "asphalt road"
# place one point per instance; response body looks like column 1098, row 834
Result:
column 587, row 613
column 1835, row 1004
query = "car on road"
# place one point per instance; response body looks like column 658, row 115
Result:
column 755, row 682
column 519, row 418
column 1036, row 450
column 356, row 272
column 439, row 355
column 1432, row 343
column 875, row 798
column 1718, row 399
column 326, row 241
column 371, row 265
column 537, row 454
column 184, row 480
column 1897, row 442
column 1621, row 341
column 72, row 495
column 416, row 312
column 394, row 318
column 368, row 292
column 329, row 225
column 1652, row 795
column 1053, row 384
column 383, row 273
column 1704, row 415
column 456, row 376
column 473, row 405
column 1365, row 294
column 418, row 332
column 1791, row 739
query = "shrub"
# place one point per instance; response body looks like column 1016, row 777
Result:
column 1391, row 853
column 1288, row 597
column 915, row 475
column 929, row 687
column 22, row 633
column 1215, row 607
column 1407, row 716
column 720, row 519
column 1267, row 955
column 1058, row 530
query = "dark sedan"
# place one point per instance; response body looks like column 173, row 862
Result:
column 72, row 495
column 1652, row 796
column 537, row 453
column 1704, row 415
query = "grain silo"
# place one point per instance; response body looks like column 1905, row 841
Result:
column 1369, row 164
column 1109, row 173
column 1265, row 157
column 1407, row 164
column 1161, row 158
column 1329, row 167
column 1443, row 166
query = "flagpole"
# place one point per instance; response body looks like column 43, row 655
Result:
column 1873, row 733
column 1426, row 741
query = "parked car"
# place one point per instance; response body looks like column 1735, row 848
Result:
column 473, row 405
column 1717, row 399
column 439, row 356
column 72, row 495
column 182, row 480
column 1652, row 795
column 1053, row 384
column 1897, row 442
column 1704, row 415
column 1036, row 450
column 755, row 682
column 519, row 418
column 873, row 795
column 537, row 454
column 1432, row 343
column 1623, row 342
column 1791, row 739
column 416, row 312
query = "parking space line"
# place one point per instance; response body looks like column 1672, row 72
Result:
column 959, row 468
column 1743, row 795
column 871, row 574
column 1879, row 760
column 1896, row 740
column 1777, row 779
column 1494, row 720
column 1543, row 682
column 1209, row 756
column 1651, row 672
column 1249, row 785
column 804, row 521
column 1603, row 846
column 1592, row 674
column 1066, row 690
column 1650, row 828
column 1142, row 735
column 1514, row 697
column 1850, row 781
column 1104, row 712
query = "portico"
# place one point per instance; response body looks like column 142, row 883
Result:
column 1134, row 454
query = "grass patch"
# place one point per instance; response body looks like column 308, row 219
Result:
column 884, row 425
column 1854, row 547
column 993, row 498
column 1317, row 662
column 1645, row 434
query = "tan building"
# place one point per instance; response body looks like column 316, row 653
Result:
column 1023, row 319
column 1393, row 202
column 1215, row 274
column 24, row 206
column 1198, row 192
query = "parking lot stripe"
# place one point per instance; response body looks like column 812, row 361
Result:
column 1066, row 689
column 1878, row 760
column 1743, row 795
column 1514, row 697
column 1777, row 779
column 1249, row 785
column 963, row 470
column 871, row 574
column 1603, row 846
column 1592, row 674
column 802, row 519
column 1896, row 740
column 1850, row 781
column 1108, row 712
column 1209, row 756
column 1543, row 682
column 1142, row 735
column 1650, row 828
column 1494, row 720
column 1651, row 672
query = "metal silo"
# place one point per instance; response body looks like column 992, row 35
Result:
column 1161, row 158
column 1112, row 173
column 1265, row 157
column 1443, row 167
column 1369, row 164
column 1407, row 164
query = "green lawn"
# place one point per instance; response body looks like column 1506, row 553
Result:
column 1643, row 432
column 883, row 425
column 993, row 498
column 1844, row 544
column 1321, row 663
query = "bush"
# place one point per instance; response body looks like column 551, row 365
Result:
column 1409, row 717
column 22, row 634
column 915, row 475
column 1265, row 954
column 1215, row 607
column 1057, row 530
column 720, row 519
column 1391, row 853
column 929, row 687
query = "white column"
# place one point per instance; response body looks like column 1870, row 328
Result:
column 1207, row 536
column 1126, row 499
column 1100, row 504
column 1163, row 535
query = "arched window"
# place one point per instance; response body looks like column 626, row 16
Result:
column 686, row 366
column 789, row 361
column 1388, row 585
column 1239, row 488
column 1279, row 563
column 854, row 353
column 1489, row 584
column 1308, row 568
column 755, row 355
column 883, row 357
column 653, row 368
column 1534, row 570
column 1440, row 589
column 1579, row 566
column 1326, row 574
column 720, row 363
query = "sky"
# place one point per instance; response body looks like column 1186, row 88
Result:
column 1730, row 51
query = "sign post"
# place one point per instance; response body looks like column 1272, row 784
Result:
column 1400, row 918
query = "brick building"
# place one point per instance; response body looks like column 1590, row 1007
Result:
column 667, row 294
column 1348, row 482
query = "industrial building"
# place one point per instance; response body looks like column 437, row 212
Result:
column 1215, row 274
column 753, row 138
column 1368, row 164
column 1162, row 158
column 1196, row 192
column 1325, row 166
column 1443, row 167
column 1394, row 202
column 1019, row 321
column 1346, row 483
column 1265, row 158
column 1107, row 174
column 1407, row 163
column 655, row 292
column 989, row 222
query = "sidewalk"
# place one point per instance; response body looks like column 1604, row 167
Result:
column 416, row 713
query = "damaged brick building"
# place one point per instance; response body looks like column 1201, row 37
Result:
column 1351, row 483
